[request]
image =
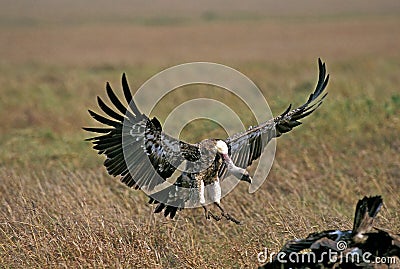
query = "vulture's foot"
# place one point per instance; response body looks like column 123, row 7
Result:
column 226, row 215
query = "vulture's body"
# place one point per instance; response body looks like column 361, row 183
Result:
column 144, row 156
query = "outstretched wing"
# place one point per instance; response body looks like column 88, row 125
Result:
column 135, row 146
column 318, row 240
column 247, row 146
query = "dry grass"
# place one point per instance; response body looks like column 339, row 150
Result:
column 59, row 208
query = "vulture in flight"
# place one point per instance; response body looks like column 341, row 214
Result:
column 137, row 150
column 365, row 246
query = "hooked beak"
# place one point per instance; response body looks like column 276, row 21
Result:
column 246, row 177
column 238, row 172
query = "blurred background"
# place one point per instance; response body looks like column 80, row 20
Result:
column 59, row 207
column 142, row 32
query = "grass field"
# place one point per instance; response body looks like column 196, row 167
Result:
column 59, row 208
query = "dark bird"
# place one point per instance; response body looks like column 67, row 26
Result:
column 365, row 246
column 137, row 150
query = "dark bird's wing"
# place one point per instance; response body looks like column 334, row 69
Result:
column 299, row 250
column 135, row 146
column 366, row 211
column 247, row 146
column 318, row 240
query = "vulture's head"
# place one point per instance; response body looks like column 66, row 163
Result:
column 222, row 147
column 238, row 172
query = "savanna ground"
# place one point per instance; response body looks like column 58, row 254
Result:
column 59, row 208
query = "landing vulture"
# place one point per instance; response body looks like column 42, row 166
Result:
column 144, row 157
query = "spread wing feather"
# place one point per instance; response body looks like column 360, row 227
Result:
column 175, row 196
column 134, row 145
column 247, row 146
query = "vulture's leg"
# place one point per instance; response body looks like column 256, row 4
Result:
column 226, row 215
column 215, row 193
column 207, row 212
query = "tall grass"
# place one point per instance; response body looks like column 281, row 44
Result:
column 59, row 208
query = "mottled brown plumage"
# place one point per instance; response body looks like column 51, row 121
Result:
column 209, row 152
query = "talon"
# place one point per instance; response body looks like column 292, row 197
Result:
column 230, row 218
column 217, row 218
column 227, row 215
column 209, row 214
